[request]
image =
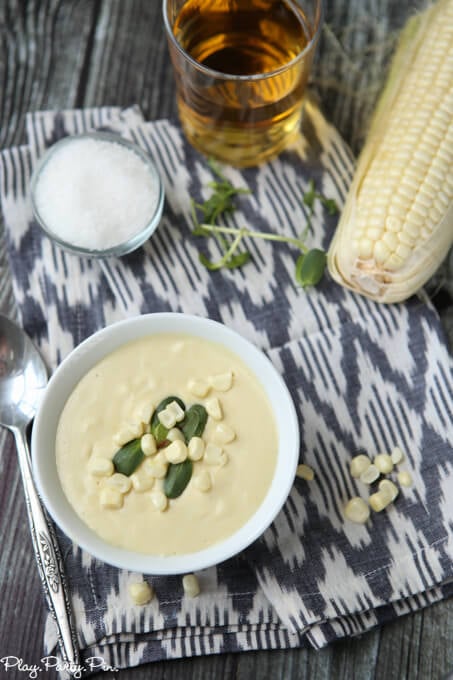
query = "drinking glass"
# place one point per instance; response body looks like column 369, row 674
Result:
column 241, row 69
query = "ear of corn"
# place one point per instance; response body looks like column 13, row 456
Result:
column 397, row 223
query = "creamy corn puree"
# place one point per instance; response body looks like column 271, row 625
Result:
column 124, row 388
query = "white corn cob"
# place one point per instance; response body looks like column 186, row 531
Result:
column 397, row 224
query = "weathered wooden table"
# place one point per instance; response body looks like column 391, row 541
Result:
column 69, row 53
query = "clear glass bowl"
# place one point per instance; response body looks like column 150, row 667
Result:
column 122, row 247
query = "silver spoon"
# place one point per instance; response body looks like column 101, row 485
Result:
column 23, row 378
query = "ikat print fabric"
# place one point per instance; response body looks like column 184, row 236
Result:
column 362, row 375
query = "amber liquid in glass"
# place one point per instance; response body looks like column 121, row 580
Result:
column 237, row 111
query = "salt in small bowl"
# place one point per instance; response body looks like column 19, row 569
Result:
column 124, row 246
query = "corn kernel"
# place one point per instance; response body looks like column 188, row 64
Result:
column 118, row 481
column 148, row 445
column 199, row 388
column 175, row 435
column 128, row 433
column 214, row 408
column 389, row 489
column 393, row 262
column 141, row 593
column 384, row 463
column 374, row 234
column 397, row 456
column 378, row 501
column 155, row 468
column 196, row 448
column 357, row 510
column 381, row 251
column 223, row 434
column 390, row 239
column 191, row 585
column 167, row 418
column 403, row 251
column 370, row 474
column 100, row 467
column 405, row 478
column 174, row 408
column 122, row 437
column 159, row 500
column 305, row 472
column 406, row 238
column 176, row 452
column 365, row 248
column 202, row 481
column 393, row 223
column 221, row 382
column 141, row 481
column 160, row 457
column 110, row 498
column 358, row 465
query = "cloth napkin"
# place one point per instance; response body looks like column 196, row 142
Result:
column 362, row 375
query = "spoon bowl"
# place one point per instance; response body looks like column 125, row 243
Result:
column 23, row 376
column 23, row 379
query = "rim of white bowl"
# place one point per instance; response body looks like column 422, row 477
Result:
column 90, row 352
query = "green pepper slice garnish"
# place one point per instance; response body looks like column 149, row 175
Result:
column 158, row 430
column 194, row 422
column 177, row 478
column 128, row 457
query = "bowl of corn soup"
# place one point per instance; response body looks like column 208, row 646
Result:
column 165, row 443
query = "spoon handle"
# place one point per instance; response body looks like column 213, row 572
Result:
column 48, row 558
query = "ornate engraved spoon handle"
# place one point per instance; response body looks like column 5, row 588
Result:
column 48, row 557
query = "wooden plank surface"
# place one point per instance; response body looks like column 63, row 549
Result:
column 63, row 54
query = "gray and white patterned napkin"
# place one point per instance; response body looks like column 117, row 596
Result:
column 362, row 375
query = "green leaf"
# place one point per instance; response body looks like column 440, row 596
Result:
column 221, row 201
column 177, row 478
column 330, row 205
column 310, row 267
column 128, row 457
column 158, row 430
column 212, row 266
column 194, row 422
column 299, row 263
column 159, row 433
column 238, row 260
column 310, row 195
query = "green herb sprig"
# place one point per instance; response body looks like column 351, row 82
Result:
column 310, row 264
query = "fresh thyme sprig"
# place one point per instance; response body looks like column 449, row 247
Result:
column 220, row 203
column 310, row 264
column 311, row 195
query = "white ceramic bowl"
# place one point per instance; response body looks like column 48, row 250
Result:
column 89, row 353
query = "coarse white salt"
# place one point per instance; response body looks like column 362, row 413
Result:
column 95, row 194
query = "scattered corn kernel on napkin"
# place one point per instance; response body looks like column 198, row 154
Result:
column 361, row 375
